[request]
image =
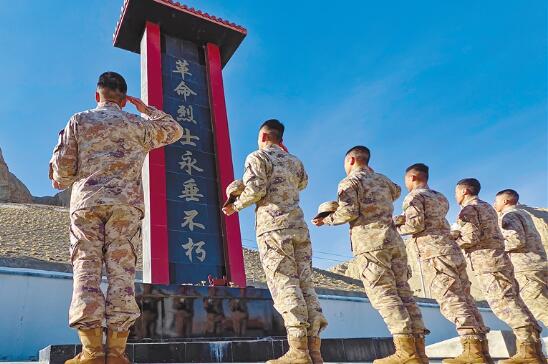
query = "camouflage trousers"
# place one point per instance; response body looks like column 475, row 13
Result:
column 106, row 235
column 450, row 287
column 534, row 292
column 384, row 275
column 500, row 290
column 286, row 257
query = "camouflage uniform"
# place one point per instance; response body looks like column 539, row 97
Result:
column 483, row 243
column 443, row 262
column 366, row 202
column 273, row 179
column 524, row 246
column 100, row 154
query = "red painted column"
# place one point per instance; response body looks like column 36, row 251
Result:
column 155, row 235
column 225, row 169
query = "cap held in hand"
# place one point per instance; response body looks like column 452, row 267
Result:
column 233, row 190
column 326, row 209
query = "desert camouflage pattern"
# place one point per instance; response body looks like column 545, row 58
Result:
column 425, row 210
column 273, row 179
column 483, row 244
column 365, row 200
column 101, row 151
column 286, row 257
column 442, row 260
column 524, row 246
column 384, row 276
column 108, row 235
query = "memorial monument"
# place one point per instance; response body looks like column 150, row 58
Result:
column 195, row 306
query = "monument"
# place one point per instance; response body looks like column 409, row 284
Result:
column 186, row 237
column 195, row 306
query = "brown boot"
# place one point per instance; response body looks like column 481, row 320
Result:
column 92, row 347
column 421, row 348
column 116, row 347
column 472, row 352
column 527, row 352
column 314, row 345
column 297, row 354
column 406, row 352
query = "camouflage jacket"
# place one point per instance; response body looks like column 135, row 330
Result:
column 273, row 179
column 101, row 151
column 522, row 240
column 366, row 201
column 481, row 238
column 425, row 210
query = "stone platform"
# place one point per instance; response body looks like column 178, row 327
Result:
column 232, row 351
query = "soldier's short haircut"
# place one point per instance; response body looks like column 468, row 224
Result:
column 360, row 152
column 274, row 128
column 511, row 193
column 420, row 168
column 113, row 82
column 471, row 184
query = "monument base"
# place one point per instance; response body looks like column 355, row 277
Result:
column 232, row 351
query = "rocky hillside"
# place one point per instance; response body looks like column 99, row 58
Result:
column 13, row 190
column 41, row 232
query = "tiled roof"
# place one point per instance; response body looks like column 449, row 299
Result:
column 181, row 7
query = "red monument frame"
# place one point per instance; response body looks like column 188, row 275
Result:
column 139, row 30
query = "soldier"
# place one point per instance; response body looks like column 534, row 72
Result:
column 483, row 244
column 365, row 201
column 524, row 246
column 423, row 218
column 273, row 178
column 100, row 154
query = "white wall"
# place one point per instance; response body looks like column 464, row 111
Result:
column 34, row 314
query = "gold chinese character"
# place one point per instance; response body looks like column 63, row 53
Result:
column 197, row 248
column 187, row 138
column 189, row 220
column 185, row 113
column 188, row 163
column 190, row 191
column 182, row 68
column 183, row 89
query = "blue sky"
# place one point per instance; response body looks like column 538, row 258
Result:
column 461, row 87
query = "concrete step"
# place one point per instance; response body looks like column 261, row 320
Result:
column 232, row 351
column 502, row 344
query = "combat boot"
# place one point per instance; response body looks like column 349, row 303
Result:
column 406, row 352
column 527, row 352
column 297, row 354
column 472, row 352
column 314, row 345
column 421, row 348
column 92, row 347
column 116, row 347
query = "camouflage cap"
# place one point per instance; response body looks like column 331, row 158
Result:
column 326, row 209
column 233, row 190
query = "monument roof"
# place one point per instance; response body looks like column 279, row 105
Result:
column 177, row 20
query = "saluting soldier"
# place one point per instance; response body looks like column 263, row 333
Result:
column 100, row 155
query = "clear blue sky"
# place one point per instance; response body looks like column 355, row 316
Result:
column 460, row 86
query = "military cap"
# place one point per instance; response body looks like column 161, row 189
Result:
column 326, row 209
column 233, row 190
